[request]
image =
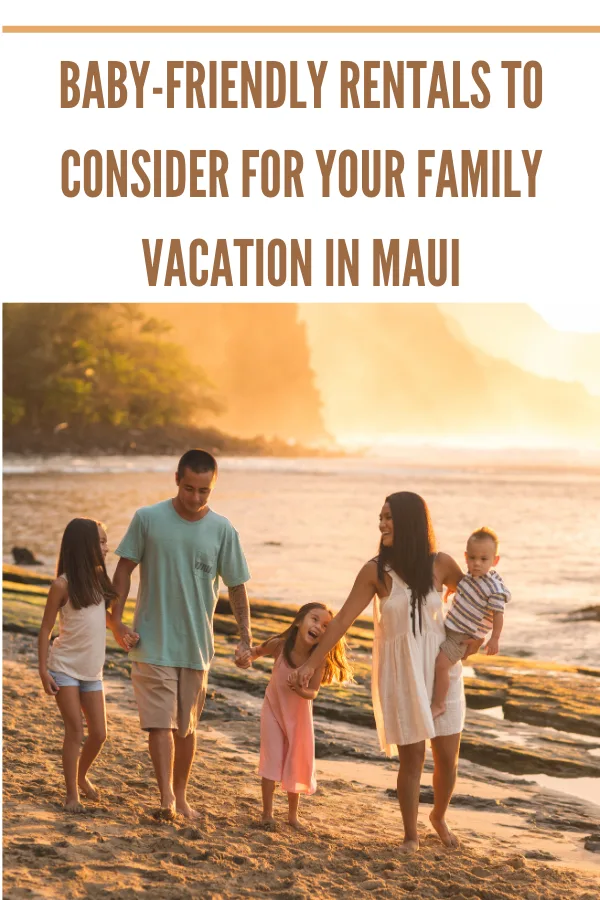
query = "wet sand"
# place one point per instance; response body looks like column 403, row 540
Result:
column 349, row 849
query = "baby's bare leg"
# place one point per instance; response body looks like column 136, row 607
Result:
column 441, row 685
column 293, row 801
column 268, row 790
column 68, row 703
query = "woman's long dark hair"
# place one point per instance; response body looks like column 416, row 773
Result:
column 411, row 555
column 336, row 664
column 80, row 560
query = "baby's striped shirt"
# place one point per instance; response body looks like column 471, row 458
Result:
column 475, row 602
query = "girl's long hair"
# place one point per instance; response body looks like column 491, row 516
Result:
column 336, row 665
column 80, row 560
column 413, row 549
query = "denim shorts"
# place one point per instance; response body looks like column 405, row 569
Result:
column 63, row 680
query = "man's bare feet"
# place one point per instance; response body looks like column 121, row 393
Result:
column 268, row 822
column 73, row 805
column 166, row 811
column 408, row 847
column 447, row 838
column 87, row 789
column 184, row 808
column 164, row 814
column 438, row 709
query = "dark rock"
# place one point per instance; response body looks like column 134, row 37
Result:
column 280, row 614
column 24, row 557
column 585, row 670
column 518, row 802
column 23, row 576
column 99, row 439
column 471, row 802
column 354, row 714
column 539, row 854
column 487, row 750
column 573, row 716
column 482, row 694
column 225, row 625
column 567, row 823
column 238, row 682
column 592, row 843
column 325, row 749
column 560, row 697
column 585, row 614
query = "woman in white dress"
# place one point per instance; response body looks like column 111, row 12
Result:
column 406, row 581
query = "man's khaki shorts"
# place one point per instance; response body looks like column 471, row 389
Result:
column 455, row 645
column 169, row 697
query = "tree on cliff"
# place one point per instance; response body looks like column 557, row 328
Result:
column 97, row 363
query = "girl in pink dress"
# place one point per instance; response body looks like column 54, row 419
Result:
column 287, row 740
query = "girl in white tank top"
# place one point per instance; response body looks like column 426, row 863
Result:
column 71, row 669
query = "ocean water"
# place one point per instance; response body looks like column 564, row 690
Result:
column 307, row 525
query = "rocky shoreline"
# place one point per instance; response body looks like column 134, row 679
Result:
column 545, row 716
column 112, row 440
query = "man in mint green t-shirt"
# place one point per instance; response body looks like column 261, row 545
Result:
column 182, row 548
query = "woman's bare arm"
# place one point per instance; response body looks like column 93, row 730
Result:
column 446, row 571
column 363, row 591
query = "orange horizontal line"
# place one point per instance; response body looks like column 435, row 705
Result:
column 301, row 29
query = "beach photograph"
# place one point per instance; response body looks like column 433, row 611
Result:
column 301, row 601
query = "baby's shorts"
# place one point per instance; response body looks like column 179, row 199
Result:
column 455, row 645
column 63, row 680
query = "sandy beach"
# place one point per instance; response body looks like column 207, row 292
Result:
column 517, row 840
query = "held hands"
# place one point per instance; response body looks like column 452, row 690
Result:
column 301, row 677
column 293, row 684
column 49, row 684
column 244, row 656
column 125, row 636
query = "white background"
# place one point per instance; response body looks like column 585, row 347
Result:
column 542, row 251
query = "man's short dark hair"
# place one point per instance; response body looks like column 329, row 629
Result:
column 197, row 461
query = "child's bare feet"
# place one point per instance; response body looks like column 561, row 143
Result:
column 447, row 838
column 268, row 822
column 296, row 823
column 73, row 805
column 408, row 847
column 87, row 789
column 438, row 709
